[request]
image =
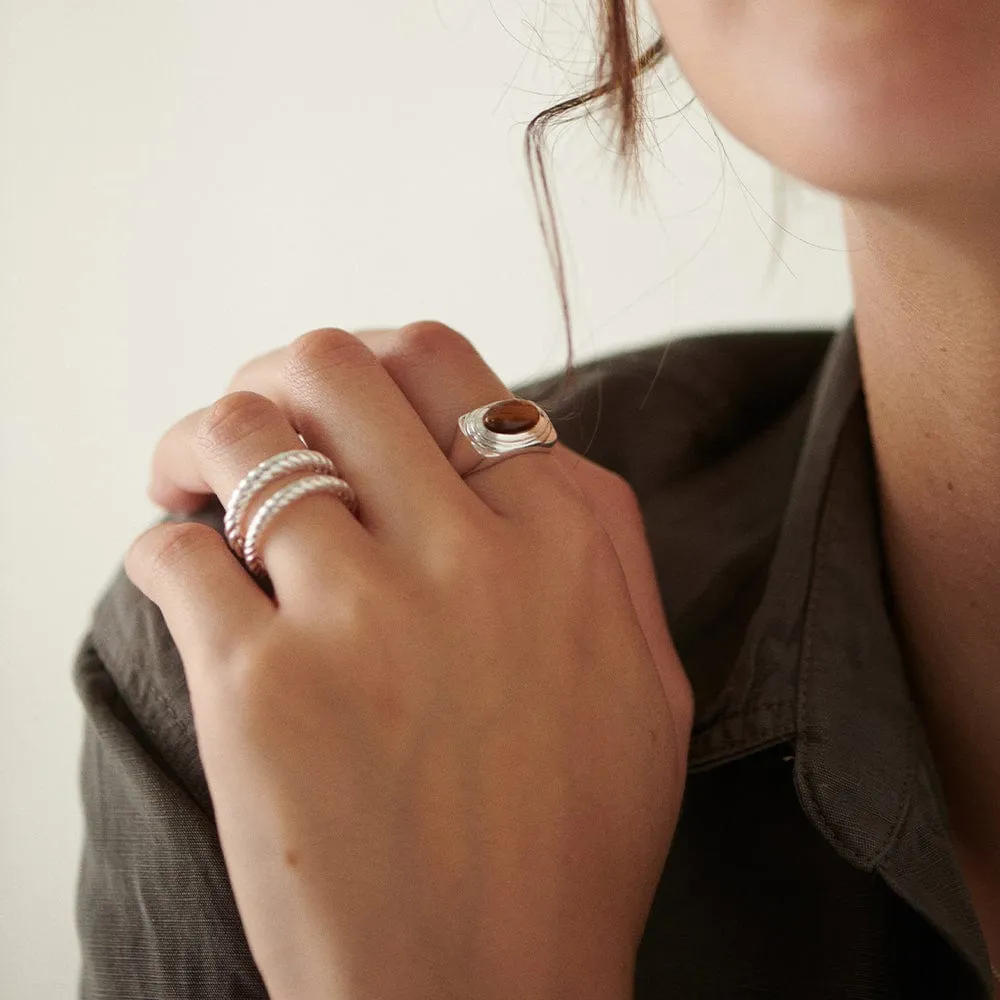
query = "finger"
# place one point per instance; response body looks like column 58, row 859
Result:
column 344, row 403
column 442, row 376
column 210, row 604
column 405, row 353
column 615, row 505
column 212, row 449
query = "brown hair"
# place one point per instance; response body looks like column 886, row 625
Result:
column 620, row 65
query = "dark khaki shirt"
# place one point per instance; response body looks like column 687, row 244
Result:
column 811, row 859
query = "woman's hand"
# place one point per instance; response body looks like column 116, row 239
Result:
column 447, row 758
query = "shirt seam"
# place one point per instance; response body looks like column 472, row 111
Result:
column 134, row 689
column 737, row 748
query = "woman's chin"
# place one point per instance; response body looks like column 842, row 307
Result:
column 878, row 100
column 867, row 152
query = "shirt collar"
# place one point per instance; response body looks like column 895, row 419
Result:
column 821, row 667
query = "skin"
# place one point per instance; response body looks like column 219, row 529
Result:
column 447, row 759
column 861, row 99
column 892, row 105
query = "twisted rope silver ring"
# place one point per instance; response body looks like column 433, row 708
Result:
column 285, row 462
column 286, row 496
column 484, row 436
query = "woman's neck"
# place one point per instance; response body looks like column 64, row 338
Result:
column 927, row 316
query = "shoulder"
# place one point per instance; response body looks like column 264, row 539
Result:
column 666, row 411
column 128, row 659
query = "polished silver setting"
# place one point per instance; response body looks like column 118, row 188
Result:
column 285, row 497
column 478, row 447
column 281, row 464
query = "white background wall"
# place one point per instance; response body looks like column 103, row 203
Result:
column 186, row 184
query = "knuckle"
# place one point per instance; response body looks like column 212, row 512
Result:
column 600, row 478
column 625, row 497
column 584, row 545
column 170, row 545
column 614, row 496
column 429, row 338
column 234, row 417
column 594, row 544
column 319, row 351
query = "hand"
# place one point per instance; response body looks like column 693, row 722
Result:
column 447, row 758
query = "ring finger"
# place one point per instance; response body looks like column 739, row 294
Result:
column 221, row 443
column 443, row 375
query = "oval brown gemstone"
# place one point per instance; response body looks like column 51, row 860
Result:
column 511, row 417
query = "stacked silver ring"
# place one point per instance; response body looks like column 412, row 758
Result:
column 484, row 436
column 326, row 480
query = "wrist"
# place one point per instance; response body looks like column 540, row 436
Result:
column 579, row 976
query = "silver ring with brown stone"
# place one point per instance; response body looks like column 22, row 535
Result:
column 498, row 431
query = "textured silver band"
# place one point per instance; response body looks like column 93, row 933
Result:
column 281, row 464
column 286, row 496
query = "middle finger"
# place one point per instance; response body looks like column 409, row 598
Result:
column 334, row 392
column 442, row 375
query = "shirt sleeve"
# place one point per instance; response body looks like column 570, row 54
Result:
column 154, row 910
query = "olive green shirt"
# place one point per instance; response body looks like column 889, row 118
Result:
column 811, row 859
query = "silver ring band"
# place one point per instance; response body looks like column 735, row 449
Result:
column 286, row 496
column 281, row 464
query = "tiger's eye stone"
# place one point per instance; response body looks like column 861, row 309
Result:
column 511, row 417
